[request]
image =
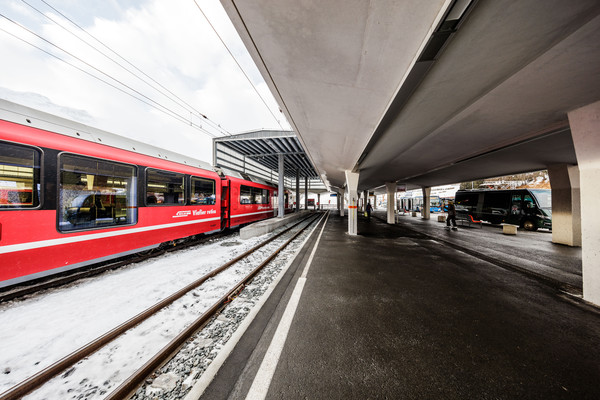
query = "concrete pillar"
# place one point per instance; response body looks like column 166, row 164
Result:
column 297, row 191
column 585, row 129
column 426, row 210
column 352, row 188
column 566, row 204
column 306, row 193
column 366, row 196
column 391, row 196
column 337, row 197
column 342, row 201
column 280, row 188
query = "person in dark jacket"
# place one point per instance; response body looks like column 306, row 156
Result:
column 369, row 209
column 451, row 215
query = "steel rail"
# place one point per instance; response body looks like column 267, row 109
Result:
column 131, row 384
column 30, row 384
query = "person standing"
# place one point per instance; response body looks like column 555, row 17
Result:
column 369, row 209
column 451, row 215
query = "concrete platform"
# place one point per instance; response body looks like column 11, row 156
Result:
column 530, row 252
column 396, row 313
column 269, row 225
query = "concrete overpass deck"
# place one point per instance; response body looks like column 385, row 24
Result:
column 399, row 312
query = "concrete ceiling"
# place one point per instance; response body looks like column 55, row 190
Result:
column 426, row 92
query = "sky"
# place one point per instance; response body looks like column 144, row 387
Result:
column 169, row 44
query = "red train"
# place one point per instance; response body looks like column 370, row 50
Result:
column 72, row 195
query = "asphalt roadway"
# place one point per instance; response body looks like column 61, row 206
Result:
column 412, row 311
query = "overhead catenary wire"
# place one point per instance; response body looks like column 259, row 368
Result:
column 154, row 104
column 167, row 112
column 172, row 96
column 238, row 64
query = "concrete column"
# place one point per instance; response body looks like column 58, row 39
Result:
column 280, row 188
column 585, row 128
column 364, row 200
column 297, row 190
column 352, row 188
column 391, row 195
column 426, row 210
column 566, row 204
column 342, row 201
column 306, row 193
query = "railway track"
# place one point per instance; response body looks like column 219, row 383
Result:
column 67, row 366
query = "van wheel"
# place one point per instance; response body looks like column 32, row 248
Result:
column 528, row 225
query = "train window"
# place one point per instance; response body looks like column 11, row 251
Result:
column 253, row 195
column 246, row 195
column 95, row 193
column 19, row 176
column 261, row 196
column 203, row 191
column 164, row 188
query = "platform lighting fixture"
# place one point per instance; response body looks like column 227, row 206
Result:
column 457, row 10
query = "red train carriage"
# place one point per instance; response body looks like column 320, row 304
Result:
column 67, row 202
column 249, row 201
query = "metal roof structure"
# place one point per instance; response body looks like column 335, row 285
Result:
column 264, row 148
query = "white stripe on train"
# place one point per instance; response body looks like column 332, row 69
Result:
column 93, row 236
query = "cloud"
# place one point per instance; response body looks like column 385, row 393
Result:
column 169, row 41
column 37, row 101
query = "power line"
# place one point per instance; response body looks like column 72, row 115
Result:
column 179, row 101
column 155, row 105
column 238, row 64
column 167, row 112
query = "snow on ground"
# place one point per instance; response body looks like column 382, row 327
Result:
column 41, row 329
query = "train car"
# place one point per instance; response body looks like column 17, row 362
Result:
column 72, row 196
column 289, row 202
column 249, row 201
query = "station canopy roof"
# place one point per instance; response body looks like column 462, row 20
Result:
column 265, row 146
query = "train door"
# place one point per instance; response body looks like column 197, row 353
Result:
column 225, row 203
column 234, row 201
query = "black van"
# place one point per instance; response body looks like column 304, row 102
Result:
column 529, row 208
